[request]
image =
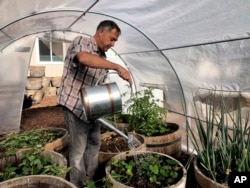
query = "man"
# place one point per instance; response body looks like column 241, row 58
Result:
column 84, row 64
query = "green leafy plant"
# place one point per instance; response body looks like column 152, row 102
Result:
column 118, row 118
column 146, row 114
column 32, row 162
column 146, row 170
column 219, row 150
column 29, row 139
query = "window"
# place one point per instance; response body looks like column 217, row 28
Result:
column 51, row 52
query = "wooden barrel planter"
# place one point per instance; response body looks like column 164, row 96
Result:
column 56, row 158
column 4, row 160
column 51, row 138
column 204, row 181
column 169, row 144
column 37, row 181
column 105, row 155
column 180, row 182
column 59, row 143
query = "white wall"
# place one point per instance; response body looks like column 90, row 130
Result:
column 51, row 70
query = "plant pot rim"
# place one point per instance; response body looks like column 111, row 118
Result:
column 7, row 183
column 200, row 173
column 131, row 153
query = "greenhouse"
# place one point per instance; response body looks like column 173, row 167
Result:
column 188, row 52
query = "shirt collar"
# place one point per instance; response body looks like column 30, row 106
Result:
column 96, row 49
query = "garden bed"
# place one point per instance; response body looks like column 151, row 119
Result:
column 48, row 114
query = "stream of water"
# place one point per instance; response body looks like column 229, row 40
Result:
column 134, row 143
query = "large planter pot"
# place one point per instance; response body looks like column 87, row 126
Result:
column 204, row 181
column 16, row 159
column 112, row 138
column 169, row 144
column 137, row 155
column 51, row 138
column 37, row 181
column 59, row 143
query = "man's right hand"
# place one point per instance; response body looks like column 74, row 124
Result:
column 125, row 74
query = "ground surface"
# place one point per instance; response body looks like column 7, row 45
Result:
column 44, row 114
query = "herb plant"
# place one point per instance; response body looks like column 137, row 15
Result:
column 146, row 114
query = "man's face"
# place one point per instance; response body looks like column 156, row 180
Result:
column 108, row 39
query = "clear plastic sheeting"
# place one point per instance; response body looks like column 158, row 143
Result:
column 13, row 72
column 183, row 45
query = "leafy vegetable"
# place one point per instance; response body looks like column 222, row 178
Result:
column 29, row 139
column 32, row 162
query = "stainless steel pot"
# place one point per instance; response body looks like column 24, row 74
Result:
column 101, row 100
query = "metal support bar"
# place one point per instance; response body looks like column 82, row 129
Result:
column 82, row 15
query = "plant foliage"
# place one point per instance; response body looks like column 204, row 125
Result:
column 32, row 162
column 220, row 150
column 146, row 170
column 146, row 114
column 29, row 139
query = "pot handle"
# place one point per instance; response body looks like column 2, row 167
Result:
column 99, row 79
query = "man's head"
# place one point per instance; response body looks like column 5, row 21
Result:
column 107, row 34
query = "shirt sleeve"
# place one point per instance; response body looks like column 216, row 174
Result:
column 80, row 44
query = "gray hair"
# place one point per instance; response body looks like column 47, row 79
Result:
column 108, row 25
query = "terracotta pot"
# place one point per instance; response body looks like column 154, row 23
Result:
column 169, row 144
column 104, row 156
column 203, row 180
column 123, row 156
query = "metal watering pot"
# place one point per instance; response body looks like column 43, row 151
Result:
column 101, row 100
